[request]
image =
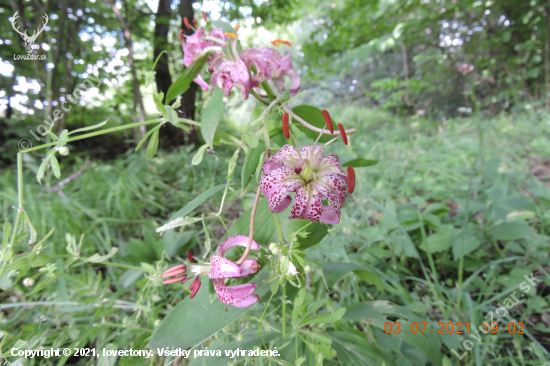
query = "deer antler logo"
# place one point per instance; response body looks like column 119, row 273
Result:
column 29, row 40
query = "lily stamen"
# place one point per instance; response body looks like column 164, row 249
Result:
column 343, row 133
column 328, row 121
column 204, row 16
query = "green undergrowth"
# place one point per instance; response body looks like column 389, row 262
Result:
column 443, row 230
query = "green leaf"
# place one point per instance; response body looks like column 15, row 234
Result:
column 464, row 242
column 439, row 242
column 512, row 231
column 96, row 258
column 185, row 79
column 226, row 27
column 44, row 165
column 199, row 154
column 197, row 201
column 55, row 167
column 313, row 116
column 375, row 313
column 89, row 127
column 334, row 271
column 153, row 145
column 251, row 161
column 157, row 98
column 180, row 221
column 370, row 278
column 30, row 227
column 353, row 350
column 358, row 162
column 325, row 318
column 6, row 234
column 251, row 139
column 211, row 116
column 171, row 115
column 147, row 136
column 195, row 320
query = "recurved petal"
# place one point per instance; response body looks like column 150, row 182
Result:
column 287, row 156
column 307, row 204
column 307, row 150
column 203, row 84
column 337, row 182
column 239, row 240
column 277, row 185
column 250, row 300
column 330, row 163
column 249, row 266
column 329, row 215
column 233, row 294
column 223, row 268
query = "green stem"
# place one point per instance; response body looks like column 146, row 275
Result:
column 268, row 90
column 97, row 133
column 278, row 228
column 284, row 312
column 19, row 197
column 258, row 97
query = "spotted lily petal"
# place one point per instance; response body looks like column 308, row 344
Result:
column 239, row 240
column 234, row 295
column 223, row 268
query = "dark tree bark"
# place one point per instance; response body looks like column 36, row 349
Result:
column 169, row 136
column 187, row 109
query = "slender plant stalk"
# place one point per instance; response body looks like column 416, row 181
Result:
column 251, row 232
column 351, row 131
column 284, row 312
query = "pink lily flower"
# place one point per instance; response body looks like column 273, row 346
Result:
column 218, row 270
column 270, row 65
column 198, row 45
column 312, row 177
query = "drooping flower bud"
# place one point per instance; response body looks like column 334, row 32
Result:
column 286, row 128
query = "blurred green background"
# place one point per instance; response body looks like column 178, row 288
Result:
column 452, row 97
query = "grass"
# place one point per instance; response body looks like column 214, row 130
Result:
column 433, row 207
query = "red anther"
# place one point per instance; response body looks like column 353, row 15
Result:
column 351, row 179
column 181, row 35
column 174, row 280
column 204, row 16
column 186, row 22
column 195, row 23
column 343, row 133
column 195, row 287
column 298, row 170
column 190, row 257
column 328, row 121
column 286, row 128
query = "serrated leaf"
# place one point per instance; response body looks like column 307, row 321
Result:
column 177, row 102
column 153, row 145
column 55, row 167
column 197, row 158
column 184, row 81
column 211, row 116
column 100, row 124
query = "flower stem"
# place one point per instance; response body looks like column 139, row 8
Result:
column 268, row 90
column 251, row 232
column 313, row 128
column 257, row 96
column 284, row 312
column 97, row 133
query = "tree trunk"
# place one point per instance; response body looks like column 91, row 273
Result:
column 187, row 109
column 138, row 100
column 169, row 135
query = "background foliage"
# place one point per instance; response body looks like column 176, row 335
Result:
column 443, row 229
